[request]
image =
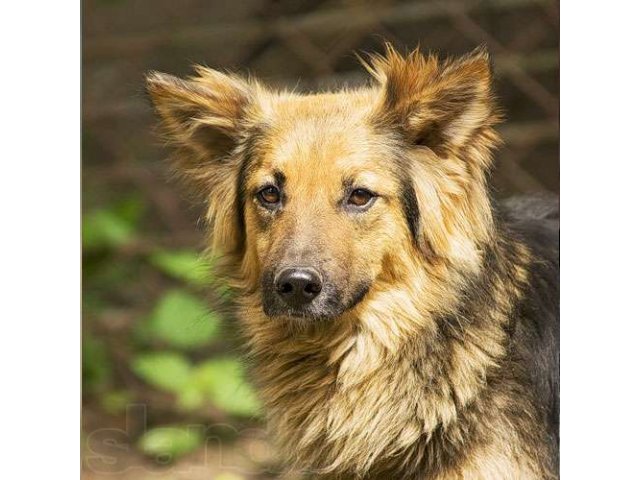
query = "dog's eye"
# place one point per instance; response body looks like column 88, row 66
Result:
column 269, row 196
column 360, row 197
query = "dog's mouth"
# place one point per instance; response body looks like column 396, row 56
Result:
column 327, row 305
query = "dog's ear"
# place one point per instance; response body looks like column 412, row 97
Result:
column 204, row 119
column 445, row 109
column 201, row 117
column 438, row 104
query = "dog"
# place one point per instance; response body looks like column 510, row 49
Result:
column 401, row 323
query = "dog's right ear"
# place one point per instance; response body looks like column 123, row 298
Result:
column 201, row 117
column 439, row 104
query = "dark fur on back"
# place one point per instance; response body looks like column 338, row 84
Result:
column 536, row 220
column 528, row 377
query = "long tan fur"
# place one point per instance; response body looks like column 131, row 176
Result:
column 419, row 378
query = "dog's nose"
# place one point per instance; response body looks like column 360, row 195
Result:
column 298, row 286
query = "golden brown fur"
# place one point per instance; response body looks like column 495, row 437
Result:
column 413, row 369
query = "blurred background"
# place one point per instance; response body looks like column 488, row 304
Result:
column 164, row 388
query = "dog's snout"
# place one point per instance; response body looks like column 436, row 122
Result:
column 298, row 286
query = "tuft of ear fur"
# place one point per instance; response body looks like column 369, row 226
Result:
column 201, row 117
column 444, row 110
column 205, row 118
column 439, row 104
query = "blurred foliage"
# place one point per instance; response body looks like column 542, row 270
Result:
column 221, row 381
column 218, row 382
column 111, row 227
column 168, row 443
column 184, row 265
column 115, row 402
column 96, row 366
column 148, row 330
column 182, row 320
column 163, row 370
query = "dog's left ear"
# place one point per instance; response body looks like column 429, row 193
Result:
column 437, row 104
column 202, row 118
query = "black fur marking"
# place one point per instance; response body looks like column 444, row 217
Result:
column 410, row 208
column 361, row 291
column 246, row 165
column 280, row 179
column 432, row 136
column 241, row 190
column 347, row 185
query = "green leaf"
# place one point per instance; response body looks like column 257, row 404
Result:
column 191, row 396
column 112, row 226
column 164, row 370
column 169, row 443
column 183, row 320
column 223, row 380
column 185, row 265
column 103, row 229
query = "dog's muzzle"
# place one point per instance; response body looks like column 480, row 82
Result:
column 307, row 292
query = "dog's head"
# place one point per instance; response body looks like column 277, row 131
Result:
column 319, row 196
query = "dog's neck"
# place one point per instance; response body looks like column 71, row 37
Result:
column 347, row 395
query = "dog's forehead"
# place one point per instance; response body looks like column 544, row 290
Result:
column 344, row 104
column 322, row 129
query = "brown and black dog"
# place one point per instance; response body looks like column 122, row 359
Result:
column 401, row 324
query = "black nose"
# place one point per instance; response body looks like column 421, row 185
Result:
column 298, row 286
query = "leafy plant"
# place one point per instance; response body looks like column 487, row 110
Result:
column 182, row 320
column 223, row 382
column 115, row 401
column 219, row 382
column 169, row 442
column 164, row 370
column 185, row 265
column 111, row 227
